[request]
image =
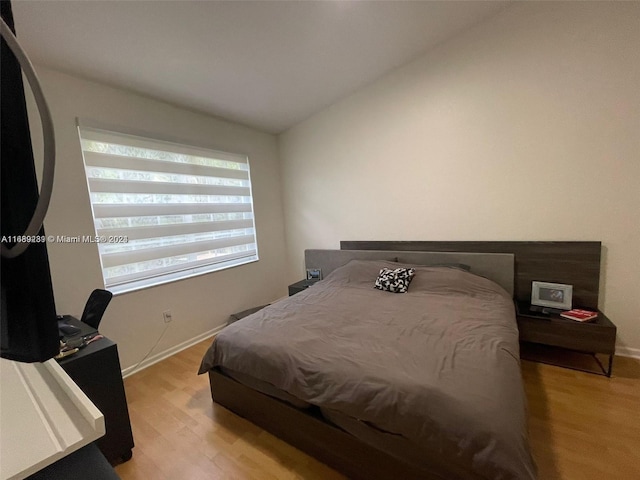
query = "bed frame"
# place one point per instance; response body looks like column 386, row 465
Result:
column 498, row 267
column 576, row 263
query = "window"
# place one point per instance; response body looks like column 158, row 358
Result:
column 165, row 211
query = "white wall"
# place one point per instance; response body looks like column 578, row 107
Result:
column 200, row 304
column 526, row 127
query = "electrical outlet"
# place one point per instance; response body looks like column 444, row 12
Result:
column 167, row 316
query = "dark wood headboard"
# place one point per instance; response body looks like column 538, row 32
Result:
column 574, row 263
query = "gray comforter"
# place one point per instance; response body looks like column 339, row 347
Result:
column 438, row 366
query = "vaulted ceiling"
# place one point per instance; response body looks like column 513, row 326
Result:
column 265, row 64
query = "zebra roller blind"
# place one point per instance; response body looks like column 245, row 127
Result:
column 165, row 211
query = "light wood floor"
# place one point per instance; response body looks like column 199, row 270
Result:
column 582, row 426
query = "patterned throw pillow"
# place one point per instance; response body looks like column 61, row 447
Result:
column 396, row 281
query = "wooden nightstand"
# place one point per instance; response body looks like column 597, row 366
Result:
column 596, row 336
column 300, row 286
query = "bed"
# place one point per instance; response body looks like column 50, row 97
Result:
column 423, row 384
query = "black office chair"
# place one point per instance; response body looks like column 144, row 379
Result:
column 95, row 307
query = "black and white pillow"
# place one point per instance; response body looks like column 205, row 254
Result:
column 396, row 281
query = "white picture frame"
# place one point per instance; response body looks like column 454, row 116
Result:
column 552, row 295
column 314, row 274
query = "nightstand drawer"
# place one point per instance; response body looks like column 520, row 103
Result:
column 597, row 337
column 300, row 286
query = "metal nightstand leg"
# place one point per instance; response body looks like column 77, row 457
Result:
column 605, row 371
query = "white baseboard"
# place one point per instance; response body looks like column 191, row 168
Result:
column 170, row 351
column 628, row 352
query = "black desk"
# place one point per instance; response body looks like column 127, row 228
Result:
column 96, row 370
column 85, row 463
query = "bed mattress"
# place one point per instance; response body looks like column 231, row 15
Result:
column 437, row 367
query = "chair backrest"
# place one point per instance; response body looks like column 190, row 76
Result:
column 95, row 307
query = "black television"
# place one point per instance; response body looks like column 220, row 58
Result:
column 28, row 324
